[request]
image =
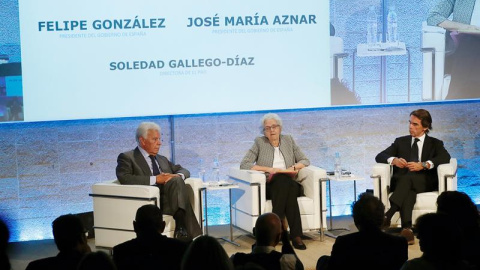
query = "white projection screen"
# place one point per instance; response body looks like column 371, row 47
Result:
column 102, row 59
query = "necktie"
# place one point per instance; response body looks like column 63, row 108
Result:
column 414, row 153
column 155, row 169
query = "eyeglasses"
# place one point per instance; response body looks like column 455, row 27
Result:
column 267, row 128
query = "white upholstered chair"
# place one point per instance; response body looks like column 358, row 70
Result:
column 336, row 57
column 115, row 206
column 427, row 201
column 249, row 201
column 435, row 81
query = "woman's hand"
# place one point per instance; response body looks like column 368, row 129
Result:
column 296, row 167
column 273, row 170
column 456, row 26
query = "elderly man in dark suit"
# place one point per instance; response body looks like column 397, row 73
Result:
column 144, row 166
column 414, row 159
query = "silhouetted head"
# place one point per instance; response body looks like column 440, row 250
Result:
column 96, row 261
column 69, row 234
column 148, row 220
column 368, row 212
column 460, row 207
column 4, row 237
column 206, row 253
column 268, row 230
column 439, row 237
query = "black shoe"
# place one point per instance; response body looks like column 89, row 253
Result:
column 181, row 234
column 298, row 245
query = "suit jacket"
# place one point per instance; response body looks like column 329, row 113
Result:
column 368, row 250
column 432, row 150
column 151, row 252
column 63, row 261
column 461, row 10
column 262, row 151
column 132, row 168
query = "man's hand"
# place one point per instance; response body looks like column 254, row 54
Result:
column 163, row 178
column 414, row 166
column 399, row 162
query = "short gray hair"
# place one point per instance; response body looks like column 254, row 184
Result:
column 143, row 129
column 269, row 116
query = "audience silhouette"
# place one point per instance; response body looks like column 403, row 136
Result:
column 439, row 238
column 369, row 248
column 460, row 207
column 448, row 239
column 98, row 260
column 4, row 236
column 151, row 249
column 69, row 236
column 268, row 233
column 206, row 253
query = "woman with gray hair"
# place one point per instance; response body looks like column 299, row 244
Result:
column 273, row 153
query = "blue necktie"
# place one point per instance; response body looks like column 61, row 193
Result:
column 155, row 169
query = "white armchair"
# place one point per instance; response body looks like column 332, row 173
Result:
column 336, row 57
column 427, row 201
column 435, row 82
column 115, row 206
column 249, row 200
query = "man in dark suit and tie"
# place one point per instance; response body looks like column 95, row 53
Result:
column 414, row 159
column 144, row 166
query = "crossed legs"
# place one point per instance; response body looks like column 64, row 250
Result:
column 405, row 195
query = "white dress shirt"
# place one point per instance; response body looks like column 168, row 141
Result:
column 420, row 148
column 153, row 179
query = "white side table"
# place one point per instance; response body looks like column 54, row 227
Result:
column 205, row 189
column 341, row 179
column 382, row 50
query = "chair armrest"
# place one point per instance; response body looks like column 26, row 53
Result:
column 196, row 184
column 447, row 176
column 247, row 176
column 381, row 175
column 309, row 178
column 114, row 188
column 433, row 37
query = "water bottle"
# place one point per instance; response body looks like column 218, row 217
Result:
column 338, row 166
column 392, row 20
column 216, row 172
column 201, row 171
column 372, row 29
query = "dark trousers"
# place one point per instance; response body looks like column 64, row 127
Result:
column 174, row 197
column 283, row 191
column 405, row 194
column 465, row 73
